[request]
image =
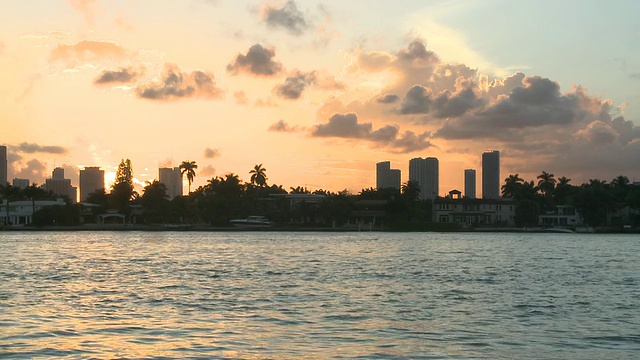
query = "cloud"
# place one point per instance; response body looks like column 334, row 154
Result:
column 448, row 104
column 416, row 101
column 599, row 132
column 87, row 51
column 387, row 99
column 295, row 84
column 34, row 170
column 288, row 17
column 241, row 97
column 85, row 7
column 123, row 75
column 282, row 126
column 210, row 153
column 176, row 84
column 343, row 125
column 30, row 148
column 208, row 170
column 258, row 61
column 347, row 126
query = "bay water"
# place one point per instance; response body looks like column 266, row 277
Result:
column 288, row 295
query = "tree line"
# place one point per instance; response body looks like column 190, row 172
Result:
column 598, row 202
column 228, row 197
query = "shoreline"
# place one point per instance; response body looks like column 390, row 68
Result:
column 205, row 228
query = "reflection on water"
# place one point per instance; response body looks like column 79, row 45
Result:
column 310, row 295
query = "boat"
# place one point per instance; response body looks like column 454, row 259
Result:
column 252, row 222
column 559, row 230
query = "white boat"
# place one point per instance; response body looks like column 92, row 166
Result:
column 559, row 230
column 252, row 222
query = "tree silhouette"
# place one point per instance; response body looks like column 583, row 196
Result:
column 258, row 175
column 411, row 190
column 122, row 191
column 546, row 183
column 511, row 185
column 188, row 168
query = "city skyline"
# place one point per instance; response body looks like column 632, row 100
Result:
column 316, row 93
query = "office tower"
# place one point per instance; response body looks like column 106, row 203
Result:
column 491, row 174
column 3, row 165
column 386, row 177
column 470, row 183
column 426, row 173
column 172, row 179
column 61, row 186
column 91, row 179
column 20, row 183
column 58, row 174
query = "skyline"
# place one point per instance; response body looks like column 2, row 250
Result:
column 319, row 93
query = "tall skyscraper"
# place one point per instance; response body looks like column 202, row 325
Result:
column 91, row 179
column 386, row 177
column 172, row 179
column 491, row 174
column 61, row 186
column 470, row 183
column 426, row 173
column 3, row 165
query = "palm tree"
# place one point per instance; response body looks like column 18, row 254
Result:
column 511, row 184
column 258, row 175
column 411, row 190
column 189, row 168
column 547, row 183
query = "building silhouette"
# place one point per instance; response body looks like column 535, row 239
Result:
column 20, row 183
column 470, row 183
column 386, row 177
column 172, row 179
column 91, row 179
column 3, row 165
column 58, row 185
column 426, row 173
column 491, row 174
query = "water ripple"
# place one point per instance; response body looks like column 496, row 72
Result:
column 310, row 295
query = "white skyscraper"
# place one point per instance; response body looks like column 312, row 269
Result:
column 426, row 173
column 91, row 179
column 470, row 183
column 491, row 174
column 172, row 179
column 386, row 177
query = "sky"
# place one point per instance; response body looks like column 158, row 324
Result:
column 318, row 92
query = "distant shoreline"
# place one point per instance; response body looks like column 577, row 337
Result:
column 204, row 228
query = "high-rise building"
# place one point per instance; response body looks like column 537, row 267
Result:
column 172, row 179
column 20, row 183
column 3, row 165
column 491, row 174
column 91, row 179
column 386, row 177
column 470, row 183
column 61, row 186
column 426, row 173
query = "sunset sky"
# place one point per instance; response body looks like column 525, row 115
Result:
column 318, row 92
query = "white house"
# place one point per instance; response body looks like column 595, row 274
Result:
column 21, row 212
column 455, row 209
column 561, row 215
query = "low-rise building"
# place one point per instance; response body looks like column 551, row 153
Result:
column 561, row 215
column 466, row 211
column 21, row 212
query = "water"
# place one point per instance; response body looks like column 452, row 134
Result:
column 319, row 295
